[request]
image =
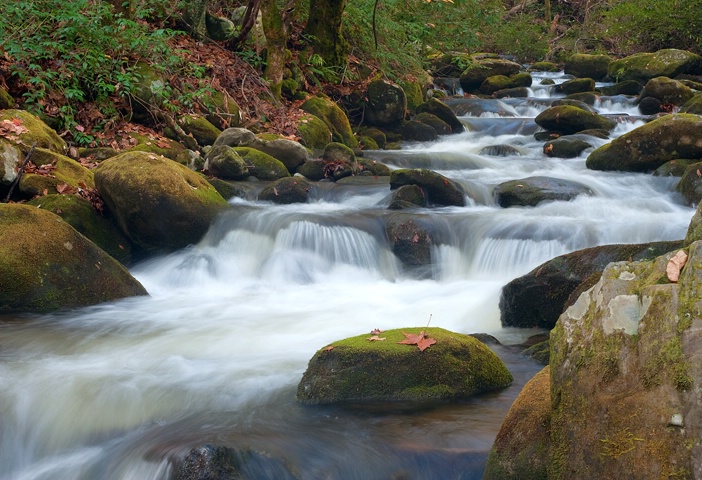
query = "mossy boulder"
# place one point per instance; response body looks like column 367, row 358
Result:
column 440, row 109
column 235, row 137
column 288, row 152
column 537, row 298
column 149, row 92
column 286, row 191
column 477, row 72
column 502, row 82
column 651, row 145
column 667, row 91
column 224, row 162
column 626, row 372
column 222, row 110
column 573, row 103
column 6, row 100
column 413, row 94
column 576, row 85
column 694, row 105
column 440, row 190
column 565, row 147
column 200, row 128
column 164, row 146
column 65, row 171
column 516, row 92
column 456, row 367
column 568, row 119
column 45, row 264
column 544, row 67
column 664, row 63
column 376, row 134
column 521, row 448
column 673, row 168
column 530, row 191
column 587, row 65
column 386, row 104
column 374, row 167
column 159, row 204
column 219, row 28
column 261, row 165
column 334, row 117
column 440, row 126
column 413, row 130
column 690, row 184
column 81, row 215
column 627, row 87
column 407, row 196
column 313, row 132
column 313, row 170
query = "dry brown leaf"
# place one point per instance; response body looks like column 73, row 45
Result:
column 421, row 340
column 376, row 331
column 375, row 338
column 675, row 266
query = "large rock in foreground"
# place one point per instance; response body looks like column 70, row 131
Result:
column 650, row 146
column 626, row 372
column 664, row 63
column 47, row 265
column 159, row 204
column 355, row 369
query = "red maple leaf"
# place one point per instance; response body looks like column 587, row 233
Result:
column 421, row 340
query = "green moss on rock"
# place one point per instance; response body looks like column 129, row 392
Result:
column 37, row 132
column 355, row 369
column 314, row 132
column 200, row 128
column 664, row 63
column 47, row 265
column 66, row 171
column 567, row 119
column 261, row 165
column 588, row 65
column 334, row 117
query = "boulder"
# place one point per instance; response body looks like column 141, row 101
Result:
column 456, row 367
column 539, row 297
column 159, row 204
column 286, row 191
column 443, row 111
column 664, row 63
column 218, row 462
column 440, row 190
column 412, row 130
column 651, row 145
column 440, row 126
column 626, row 372
column 290, row 153
column 407, row 196
column 478, row 71
column 529, row 192
column 313, row 132
column 627, row 87
column 200, row 128
column 339, row 161
column 500, row 151
column 376, row 134
column 694, row 105
column 219, row 28
column 224, row 162
column 165, row 146
column 576, row 85
column 222, row 110
column 413, row 93
column 516, row 92
column 565, row 147
column 65, row 172
column 386, row 104
column 410, row 241
column 666, row 91
column 45, row 265
column 567, row 119
column 690, row 184
column 673, row 168
column 522, row 445
column 313, row 170
column 587, row 97
column 573, row 103
column 374, row 167
column 651, row 106
column 544, row 67
column 96, row 227
column 501, row 82
column 235, row 137
column 261, row 165
column 587, row 65
column 334, row 117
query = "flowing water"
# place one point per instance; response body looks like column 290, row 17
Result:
column 215, row 353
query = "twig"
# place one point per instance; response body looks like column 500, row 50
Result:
column 20, row 172
column 425, row 328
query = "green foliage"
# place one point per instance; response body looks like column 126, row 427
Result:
column 523, row 36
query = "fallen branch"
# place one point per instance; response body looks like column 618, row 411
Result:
column 20, row 172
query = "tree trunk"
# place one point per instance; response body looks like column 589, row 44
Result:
column 194, row 13
column 547, row 11
column 324, row 26
column 276, row 31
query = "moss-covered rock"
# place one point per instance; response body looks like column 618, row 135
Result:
column 224, row 162
column 386, row 104
column 502, row 82
column 200, row 128
column 313, row 170
column 80, row 214
column 226, row 188
column 529, row 192
column 222, row 110
column 441, row 127
column 6, row 100
column 313, row 132
column 408, row 196
column 627, row 87
column 476, row 73
column 36, row 132
column 667, row 91
column 159, row 204
column 664, row 63
column 544, row 67
column 690, row 184
column 573, row 103
column 261, row 165
column 565, row 147
column 539, row 297
column 376, row 134
column 673, row 168
column 440, row 190
column 165, row 147
column 457, row 366
column 567, row 119
column 45, row 264
column 286, row 191
column 374, row 167
column 576, row 85
column 65, row 171
column 626, row 374
column 651, row 145
column 521, row 448
column 414, row 95
column 334, row 117
column 587, row 65
column 235, row 137
column 219, row 28
column 413, row 130
column 694, row 105
column 516, row 92
column 440, row 109
column 288, row 152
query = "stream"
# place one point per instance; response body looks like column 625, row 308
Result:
column 214, row 354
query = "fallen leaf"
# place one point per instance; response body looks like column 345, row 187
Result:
column 376, row 331
column 548, row 148
column 329, row 348
column 375, row 338
column 425, row 343
column 421, row 340
column 675, row 266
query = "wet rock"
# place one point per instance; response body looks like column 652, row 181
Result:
column 517, row 92
column 573, row 103
column 457, row 366
column 477, row 72
column 261, row 165
column 410, row 242
column 286, row 191
column 288, row 152
column 441, row 110
column 576, row 85
column 523, row 443
column 539, row 297
column 413, row 130
column 651, row 145
column 565, row 147
column 501, row 82
column 159, row 204
column 588, row 97
column 216, row 462
column 408, row 196
column 45, row 264
column 673, row 168
column 567, row 119
column 627, row 87
column 500, row 151
column 313, row 170
column 374, row 167
column 586, row 65
column 386, row 105
column 529, row 192
column 690, row 185
column 650, row 106
column 544, row 67
column 664, row 63
column 694, row 105
column 667, row 91
column 440, row 190
column 440, row 126
column 224, row 162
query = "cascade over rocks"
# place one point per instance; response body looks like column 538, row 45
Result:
column 410, row 240
column 529, row 192
column 159, row 204
column 651, row 145
column 45, row 264
column 456, row 367
column 286, row 191
column 218, row 462
column 539, row 297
